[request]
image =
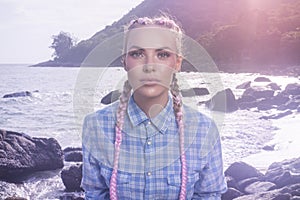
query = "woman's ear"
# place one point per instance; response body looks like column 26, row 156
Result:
column 178, row 63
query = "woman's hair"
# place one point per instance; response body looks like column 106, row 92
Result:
column 168, row 23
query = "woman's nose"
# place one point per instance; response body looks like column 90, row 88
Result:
column 149, row 64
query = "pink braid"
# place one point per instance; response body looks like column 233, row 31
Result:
column 177, row 106
column 118, row 132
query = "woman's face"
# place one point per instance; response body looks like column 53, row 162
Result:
column 151, row 60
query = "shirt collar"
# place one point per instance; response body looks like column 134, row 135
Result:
column 137, row 116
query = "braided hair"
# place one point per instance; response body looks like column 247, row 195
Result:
column 177, row 106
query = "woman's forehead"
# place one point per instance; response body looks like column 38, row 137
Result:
column 151, row 38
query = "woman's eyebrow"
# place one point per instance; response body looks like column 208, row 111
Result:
column 136, row 48
column 164, row 49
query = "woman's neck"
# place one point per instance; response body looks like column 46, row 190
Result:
column 151, row 106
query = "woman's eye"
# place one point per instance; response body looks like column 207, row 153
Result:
column 136, row 54
column 163, row 55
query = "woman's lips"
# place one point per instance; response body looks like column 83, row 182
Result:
column 149, row 81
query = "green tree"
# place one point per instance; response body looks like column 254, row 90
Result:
column 61, row 44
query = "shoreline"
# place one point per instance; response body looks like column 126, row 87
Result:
column 285, row 141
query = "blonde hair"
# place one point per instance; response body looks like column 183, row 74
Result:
column 164, row 22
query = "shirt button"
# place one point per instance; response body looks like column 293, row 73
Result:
column 149, row 142
column 148, row 173
column 149, row 122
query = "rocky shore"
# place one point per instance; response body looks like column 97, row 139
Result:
column 21, row 155
column 24, row 155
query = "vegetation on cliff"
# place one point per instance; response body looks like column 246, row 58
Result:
column 237, row 34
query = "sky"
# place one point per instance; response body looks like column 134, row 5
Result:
column 26, row 27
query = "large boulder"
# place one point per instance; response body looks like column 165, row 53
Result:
column 21, row 155
column 223, row 101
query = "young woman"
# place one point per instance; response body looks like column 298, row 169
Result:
column 148, row 145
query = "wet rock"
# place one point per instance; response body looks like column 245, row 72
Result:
column 73, row 154
column 292, row 89
column 259, row 186
column 284, row 173
column 18, row 94
column 22, row 155
column 279, row 99
column 281, row 181
column 72, row 196
column 244, row 183
column 231, row 193
column 194, row 92
column 269, row 148
column 71, row 178
column 241, row 170
column 111, row 97
column 223, row 101
column 292, row 104
column 259, row 92
column 277, row 115
column 262, row 79
column 244, row 85
column 274, row 86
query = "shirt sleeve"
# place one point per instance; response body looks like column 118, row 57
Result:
column 92, row 182
column 211, row 184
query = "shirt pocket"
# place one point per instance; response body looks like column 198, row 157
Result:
column 174, row 183
column 123, row 182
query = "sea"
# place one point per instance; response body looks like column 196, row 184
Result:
column 62, row 96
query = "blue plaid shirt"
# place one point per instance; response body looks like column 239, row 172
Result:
column 149, row 164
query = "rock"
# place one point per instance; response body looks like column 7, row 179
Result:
column 111, row 97
column 247, row 105
column 292, row 89
column 244, row 183
column 223, row 101
column 231, row 193
column 278, row 115
column 259, row 92
column 21, row 155
column 262, row 79
column 244, row 85
column 264, row 104
column 18, row 94
column 284, row 173
column 259, row 186
column 72, row 196
column 241, row 170
column 273, row 86
column 71, row 178
column 279, row 99
column 194, row 92
column 269, row 147
column 73, row 154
